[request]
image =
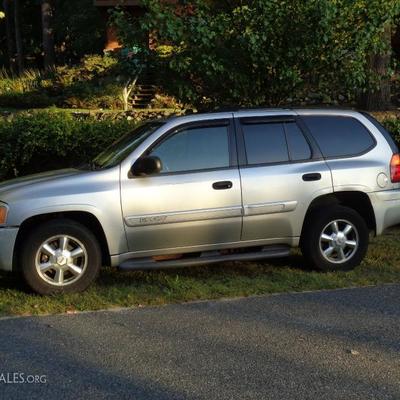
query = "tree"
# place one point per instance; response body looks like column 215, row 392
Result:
column 263, row 52
column 18, row 36
column 378, row 93
column 48, row 33
column 9, row 18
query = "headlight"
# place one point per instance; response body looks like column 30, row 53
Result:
column 3, row 214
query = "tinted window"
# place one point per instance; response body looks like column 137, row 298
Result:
column 194, row 149
column 339, row 136
column 298, row 146
column 265, row 143
column 384, row 132
column 124, row 146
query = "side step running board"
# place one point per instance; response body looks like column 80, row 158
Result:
column 149, row 264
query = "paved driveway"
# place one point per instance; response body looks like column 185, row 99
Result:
column 341, row 344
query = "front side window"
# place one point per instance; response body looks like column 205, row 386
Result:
column 339, row 136
column 194, row 149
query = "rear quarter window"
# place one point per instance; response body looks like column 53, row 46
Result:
column 383, row 131
column 339, row 136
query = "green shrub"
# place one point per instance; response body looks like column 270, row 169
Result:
column 262, row 52
column 94, row 83
column 24, row 91
column 393, row 126
column 45, row 140
column 49, row 139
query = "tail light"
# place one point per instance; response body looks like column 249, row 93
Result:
column 395, row 168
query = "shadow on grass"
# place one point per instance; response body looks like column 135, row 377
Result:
column 113, row 277
column 227, row 270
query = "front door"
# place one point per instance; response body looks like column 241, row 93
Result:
column 195, row 200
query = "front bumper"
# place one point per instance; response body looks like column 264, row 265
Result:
column 7, row 244
column 387, row 209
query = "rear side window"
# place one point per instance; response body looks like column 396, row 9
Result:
column 339, row 136
column 269, row 143
column 299, row 149
column 265, row 143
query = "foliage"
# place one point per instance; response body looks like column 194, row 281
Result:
column 94, row 83
column 25, row 90
column 97, row 82
column 106, row 81
column 44, row 140
column 393, row 126
column 52, row 139
column 79, row 29
column 263, row 52
column 164, row 101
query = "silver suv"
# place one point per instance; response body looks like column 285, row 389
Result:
column 206, row 188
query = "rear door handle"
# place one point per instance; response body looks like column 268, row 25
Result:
column 312, row 177
column 222, row 185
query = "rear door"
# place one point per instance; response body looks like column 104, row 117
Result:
column 282, row 171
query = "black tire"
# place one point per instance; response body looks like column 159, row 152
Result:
column 316, row 224
column 91, row 260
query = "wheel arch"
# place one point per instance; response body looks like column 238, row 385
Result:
column 85, row 218
column 356, row 200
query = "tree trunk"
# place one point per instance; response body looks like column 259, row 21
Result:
column 8, row 10
column 48, row 33
column 18, row 37
column 379, row 98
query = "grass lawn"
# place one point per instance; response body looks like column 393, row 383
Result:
column 116, row 289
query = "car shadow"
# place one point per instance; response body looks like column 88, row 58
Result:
column 111, row 276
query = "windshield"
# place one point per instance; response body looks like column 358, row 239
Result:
column 122, row 147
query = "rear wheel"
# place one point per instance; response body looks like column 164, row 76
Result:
column 335, row 239
column 60, row 256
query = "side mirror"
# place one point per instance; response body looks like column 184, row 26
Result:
column 146, row 166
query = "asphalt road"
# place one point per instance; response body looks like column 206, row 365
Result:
column 341, row 344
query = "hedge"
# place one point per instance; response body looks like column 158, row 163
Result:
column 36, row 141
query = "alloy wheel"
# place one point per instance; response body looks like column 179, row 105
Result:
column 61, row 260
column 339, row 241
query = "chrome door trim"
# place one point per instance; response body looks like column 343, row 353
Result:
column 269, row 208
column 209, row 213
column 183, row 216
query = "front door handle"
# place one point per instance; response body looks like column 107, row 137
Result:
column 312, row 177
column 222, row 185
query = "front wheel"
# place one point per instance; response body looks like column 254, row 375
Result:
column 335, row 239
column 60, row 256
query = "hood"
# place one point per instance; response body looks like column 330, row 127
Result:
column 26, row 182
